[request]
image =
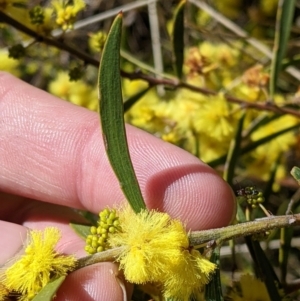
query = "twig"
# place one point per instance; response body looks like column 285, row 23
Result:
column 48, row 40
column 244, row 229
column 205, row 236
column 156, row 46
column 293, row 201
column 109, row 255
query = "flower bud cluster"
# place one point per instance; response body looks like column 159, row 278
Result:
column 16, row 51
column 76, row 73
column 252, row 196
column 108, row 224
column 37, row 15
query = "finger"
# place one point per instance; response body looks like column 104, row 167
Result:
column 98, row 282
column 53, row 151
column 38, row 215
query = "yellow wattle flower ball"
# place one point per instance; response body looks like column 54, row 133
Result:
column 216, row 119
column 77, row 92
column 249, row 288
column 40, row 263
column 157, row 251
column 269, row 7
column 97, row 41
column 66, row 13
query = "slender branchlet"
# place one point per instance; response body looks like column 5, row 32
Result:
column 219, row 235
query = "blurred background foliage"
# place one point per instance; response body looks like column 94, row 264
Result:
column 225, row 85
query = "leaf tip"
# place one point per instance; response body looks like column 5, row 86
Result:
column 295, row 172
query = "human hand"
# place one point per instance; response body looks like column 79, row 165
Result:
column 52, row 158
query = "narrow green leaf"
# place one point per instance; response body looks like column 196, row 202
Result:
column 240, row 215
column 234, row 151
column 178, row 38
column 268, row 189
column 48, row 292
column 264, row 269
column 286, row 235
column 232, row 157
column 133, row 99
column 82, row 230
column 112, row 117
column 251, row 146
column 267, row 139
column 291, row 61
column 261, row 120
column 284, row 17
column 89, row 216
column 213, row 290
column 295, row 172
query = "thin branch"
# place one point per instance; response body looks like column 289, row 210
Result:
column 201, row 237
column 244, row 229
column 156, row 46
column 108, row 255
column 58, row 43
column 293, row 201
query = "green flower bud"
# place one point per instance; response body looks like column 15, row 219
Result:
column 16, row 52
column 112, row 230
column 93, row 230
column 76, row 73
column 108, row 224
column 37, row 15
column 100, row 249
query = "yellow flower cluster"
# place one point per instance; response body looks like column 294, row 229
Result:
column 77, row 92
column 202, row 125
column 8, row 64
column 157, row 251
column 269, row 7
column 40, row 263
column 66, row 12
column 261, row 160
column 96, row 41
column 249, row 288
column 108, row 224
column 205, row 125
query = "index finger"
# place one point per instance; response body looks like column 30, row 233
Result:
column 53, row 151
